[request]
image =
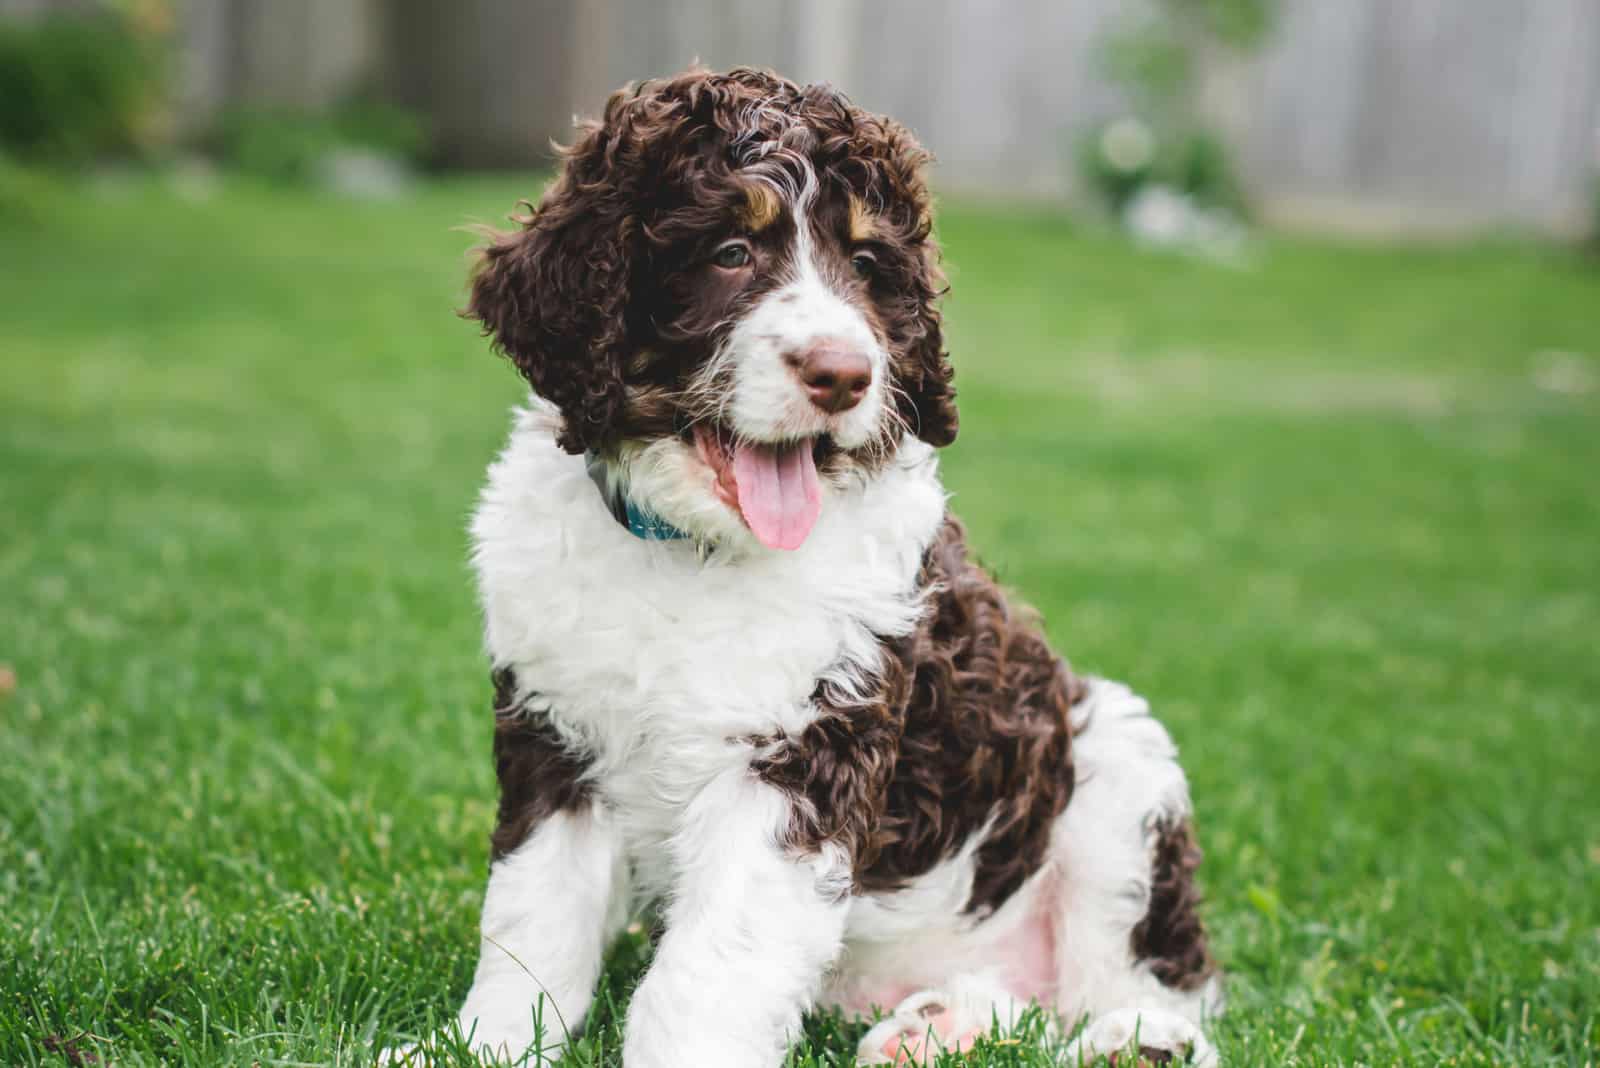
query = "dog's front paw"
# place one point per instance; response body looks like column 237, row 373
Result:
column 1142, row 1036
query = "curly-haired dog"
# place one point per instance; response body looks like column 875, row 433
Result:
column 744, row 665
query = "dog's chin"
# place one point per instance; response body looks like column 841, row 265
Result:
column 693, row 482
column 667, row 478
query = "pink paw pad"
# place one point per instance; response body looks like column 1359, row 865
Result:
column 917, row 1048
column 921, row 1027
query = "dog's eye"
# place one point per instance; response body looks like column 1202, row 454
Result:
column 864, row 263
column 733, row 255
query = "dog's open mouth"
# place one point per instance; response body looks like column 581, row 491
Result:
column 772, row 485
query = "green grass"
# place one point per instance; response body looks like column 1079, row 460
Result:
column 1326, row 511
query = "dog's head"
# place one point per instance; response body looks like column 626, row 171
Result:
column 730, row 292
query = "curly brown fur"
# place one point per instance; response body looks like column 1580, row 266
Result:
column 839, row 768
column 539, row 773
column 1171, row 938
column 599, row 298
column 967, row 726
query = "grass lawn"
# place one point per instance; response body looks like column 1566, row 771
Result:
column 1338, row 515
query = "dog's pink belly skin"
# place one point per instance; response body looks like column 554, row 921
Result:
column 1022, row 953
column 1029, row 955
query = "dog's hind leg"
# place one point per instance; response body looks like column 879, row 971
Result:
column 1130, row 949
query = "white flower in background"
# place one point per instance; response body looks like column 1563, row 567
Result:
column 1128, row 144
column 1162, row 217
column 365, row 174
column 1159, row 215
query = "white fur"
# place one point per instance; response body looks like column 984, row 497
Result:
column 749, row 933
column 659, row 658
column 544, row 926
column 1117, row 1031
column 670, row 475
column 921, row 936
column 649, row 644
column 655, row 653
column 938, row 895
column 1128, row 779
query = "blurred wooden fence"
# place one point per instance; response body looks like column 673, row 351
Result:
column 1425, row 113
column 1384, row 115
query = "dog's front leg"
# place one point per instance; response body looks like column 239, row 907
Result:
column 750, row 931
column 544, row 928
column 555, row 885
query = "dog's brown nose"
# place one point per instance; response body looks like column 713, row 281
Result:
column 835, row 373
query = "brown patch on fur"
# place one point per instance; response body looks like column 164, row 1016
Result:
column 839, row 768
column 761, row 208
column 539, row 772
column 966, row 723
column 1171, row 938
column 862, row 226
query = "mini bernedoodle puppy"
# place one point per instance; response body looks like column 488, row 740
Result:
column 744, row 666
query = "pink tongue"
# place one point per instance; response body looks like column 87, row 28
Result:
column 778, row 492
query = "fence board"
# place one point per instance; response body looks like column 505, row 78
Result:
column 1415, row 114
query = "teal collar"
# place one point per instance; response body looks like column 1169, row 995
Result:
column 640, row 521
column 647, row 525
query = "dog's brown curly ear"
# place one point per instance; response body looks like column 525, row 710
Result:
column 927, row 399
column 554, row 293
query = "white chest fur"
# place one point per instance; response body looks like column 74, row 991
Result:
column 655, row 655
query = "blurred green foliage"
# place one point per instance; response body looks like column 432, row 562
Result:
column 288, row 145
column 1156, row 59
column 24, row 192
column 1157, row 54
column 92, row 85
column 80, row 88
column 1195, row 161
